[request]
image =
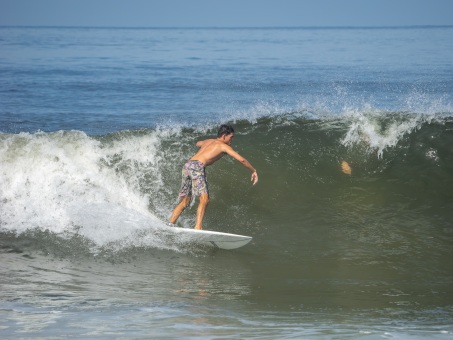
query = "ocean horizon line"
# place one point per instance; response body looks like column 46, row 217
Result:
column 229, row 27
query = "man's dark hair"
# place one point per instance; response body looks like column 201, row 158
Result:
column 224, row 130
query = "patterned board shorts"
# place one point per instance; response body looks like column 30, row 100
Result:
column 194, row 180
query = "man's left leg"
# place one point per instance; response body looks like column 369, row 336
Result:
column 204, row 201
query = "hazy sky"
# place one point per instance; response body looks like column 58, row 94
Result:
column 225, row 13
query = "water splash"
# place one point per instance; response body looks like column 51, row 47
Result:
column 380, row 130
column 67, row 182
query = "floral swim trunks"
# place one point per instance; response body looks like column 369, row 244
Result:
column 194, row 180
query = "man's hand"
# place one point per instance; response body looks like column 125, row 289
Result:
column 254, row 178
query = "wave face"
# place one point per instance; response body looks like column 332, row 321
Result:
column 114, row 189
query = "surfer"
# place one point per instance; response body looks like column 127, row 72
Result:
column 194, row 180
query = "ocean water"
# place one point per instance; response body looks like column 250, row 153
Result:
column 351, row 130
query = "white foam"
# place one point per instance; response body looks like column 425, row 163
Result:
column 68, row 182
column 380, row 130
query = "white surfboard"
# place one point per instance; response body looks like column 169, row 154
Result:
column 213, row 238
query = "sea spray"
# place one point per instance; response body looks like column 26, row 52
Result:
column 380, row 130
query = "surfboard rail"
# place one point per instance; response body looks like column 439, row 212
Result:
column 215, row 239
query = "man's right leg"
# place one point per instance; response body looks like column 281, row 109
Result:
column 185, row 201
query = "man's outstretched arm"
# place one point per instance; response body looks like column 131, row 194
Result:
column 229, row 150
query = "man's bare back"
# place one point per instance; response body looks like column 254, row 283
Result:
column 211, row 150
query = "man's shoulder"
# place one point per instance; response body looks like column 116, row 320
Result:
column 213, row 142
column 217, row 147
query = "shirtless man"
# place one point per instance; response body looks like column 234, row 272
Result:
column 194, row 175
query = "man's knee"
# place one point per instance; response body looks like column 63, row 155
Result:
column 204, row 199
column 186, row 201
